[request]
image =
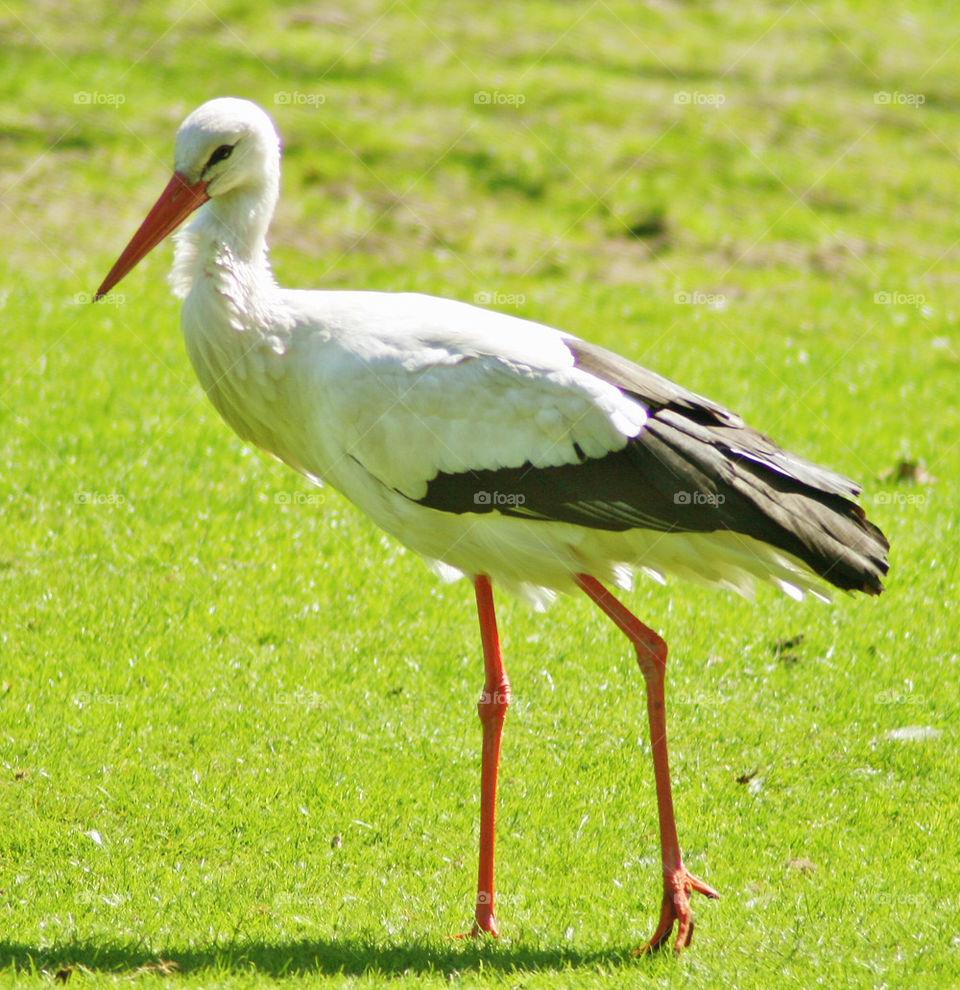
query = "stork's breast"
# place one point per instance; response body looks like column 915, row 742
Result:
column 243, row 370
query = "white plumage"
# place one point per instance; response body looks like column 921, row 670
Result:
column 416, row 407
column 374, row 393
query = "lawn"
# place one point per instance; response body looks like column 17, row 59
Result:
column 238, row 734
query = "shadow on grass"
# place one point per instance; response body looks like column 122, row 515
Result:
column 348, row 956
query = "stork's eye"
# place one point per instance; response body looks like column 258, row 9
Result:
column 222, row 153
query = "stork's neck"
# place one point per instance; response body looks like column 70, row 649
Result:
column 228, row 238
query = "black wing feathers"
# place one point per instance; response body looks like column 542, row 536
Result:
column 695, row 467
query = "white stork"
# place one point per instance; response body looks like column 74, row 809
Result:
column 497, row 448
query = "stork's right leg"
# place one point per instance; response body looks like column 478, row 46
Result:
column 678, row 881
column 492, row 708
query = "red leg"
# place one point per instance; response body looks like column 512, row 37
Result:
column 678, row 882
column 492, row 708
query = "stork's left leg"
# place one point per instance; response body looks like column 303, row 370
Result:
column 678, row 881
column 492, row 708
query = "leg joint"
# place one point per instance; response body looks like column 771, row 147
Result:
column 651, row 653
column 494, row 701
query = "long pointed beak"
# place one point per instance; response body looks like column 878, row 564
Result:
column 175, row 204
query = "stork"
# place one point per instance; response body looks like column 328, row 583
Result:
column 497, row 448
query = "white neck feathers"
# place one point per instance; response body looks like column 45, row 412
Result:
column 226, row 241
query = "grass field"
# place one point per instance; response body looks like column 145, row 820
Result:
column 238, row 735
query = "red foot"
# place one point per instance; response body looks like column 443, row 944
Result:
column 485, row 924
column 677, row 887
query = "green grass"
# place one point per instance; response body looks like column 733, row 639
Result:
column 210, row 671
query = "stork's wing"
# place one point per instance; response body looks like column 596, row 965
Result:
column 695, row 467
column 580, row 435
column 438, row 413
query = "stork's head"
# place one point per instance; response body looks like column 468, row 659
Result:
column 225, row 146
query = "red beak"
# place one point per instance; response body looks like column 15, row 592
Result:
column 175, row 204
